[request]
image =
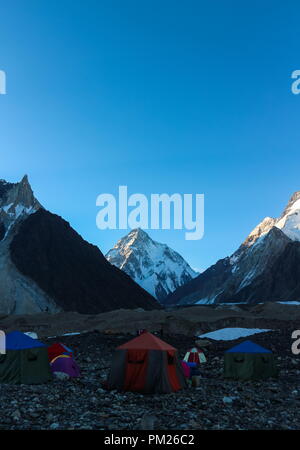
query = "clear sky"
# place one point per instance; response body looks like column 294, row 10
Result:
column 161, row 96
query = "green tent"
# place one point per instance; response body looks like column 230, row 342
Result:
column 25, row 360
column 249, row 361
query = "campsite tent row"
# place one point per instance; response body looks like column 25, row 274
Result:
column 144, row 364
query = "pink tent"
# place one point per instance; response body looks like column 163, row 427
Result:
column 186, row 369
column 66, row 364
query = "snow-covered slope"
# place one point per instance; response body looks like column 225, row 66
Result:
column 154, row 266
column 266, row 267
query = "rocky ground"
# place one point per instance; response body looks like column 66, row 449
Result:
column 217, row 404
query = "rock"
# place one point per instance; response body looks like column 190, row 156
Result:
column 148, row 422
column 61, row 376
column 273, row 389
column 203, row 343
column 101, row 391
column 228, row 400
column 16, row 415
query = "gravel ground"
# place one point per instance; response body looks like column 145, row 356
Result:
column 216, row 404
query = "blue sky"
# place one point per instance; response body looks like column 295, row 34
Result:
column 161, row 96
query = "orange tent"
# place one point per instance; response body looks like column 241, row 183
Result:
column 146, row 364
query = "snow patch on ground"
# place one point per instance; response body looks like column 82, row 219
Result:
column 71, row 334
column 289, row 303
column 229, row 334
column 67, row 334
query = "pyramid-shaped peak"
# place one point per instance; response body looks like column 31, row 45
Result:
column 136, row 235
column 155, row 266
column 138, row 232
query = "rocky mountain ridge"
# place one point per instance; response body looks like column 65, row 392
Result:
column 266, row 267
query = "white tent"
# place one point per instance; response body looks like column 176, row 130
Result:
column 195, row 355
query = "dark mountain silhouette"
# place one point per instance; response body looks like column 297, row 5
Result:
column 70, row 270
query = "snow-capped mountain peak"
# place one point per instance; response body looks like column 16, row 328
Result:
column 288, row 223
column 155, row 266
column 16, row 200
column 261, row 229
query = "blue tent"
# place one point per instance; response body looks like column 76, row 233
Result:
column 25, row 360
column 249, row 361
column 19, row 341
column 248, row 347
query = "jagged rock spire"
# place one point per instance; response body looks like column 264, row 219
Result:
column 16, row 200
